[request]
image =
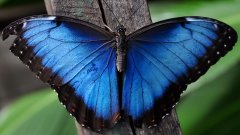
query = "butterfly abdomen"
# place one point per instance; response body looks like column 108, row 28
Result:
column 121, row 59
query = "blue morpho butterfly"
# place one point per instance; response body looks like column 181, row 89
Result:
column 83, row 62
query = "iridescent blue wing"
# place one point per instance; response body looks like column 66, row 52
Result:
column 77, row 59
column 164, row 57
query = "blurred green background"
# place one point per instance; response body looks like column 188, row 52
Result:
column 210, row 106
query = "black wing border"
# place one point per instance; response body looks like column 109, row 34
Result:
column 182, row 19
column 8, row 30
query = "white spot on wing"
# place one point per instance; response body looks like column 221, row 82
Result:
column 45, row 18
column 24, row 25
column 191, row 19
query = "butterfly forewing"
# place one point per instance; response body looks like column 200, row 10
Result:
column 164, row 57
column 77, row 59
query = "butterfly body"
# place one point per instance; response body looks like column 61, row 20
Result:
column 81, row 60
column 121, row 48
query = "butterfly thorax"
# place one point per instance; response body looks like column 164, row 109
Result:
column 121, row 48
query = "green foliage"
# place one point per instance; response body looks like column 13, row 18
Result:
column 37, row 114
column 214, row 107
column 209, row 106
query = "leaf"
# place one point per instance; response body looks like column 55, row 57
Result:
column 36, row 114
column 214, row 108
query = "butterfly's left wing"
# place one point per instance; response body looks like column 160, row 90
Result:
column 164, row 57
column 77, row 59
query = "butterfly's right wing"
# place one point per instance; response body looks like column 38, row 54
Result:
column 164, row 57
column 77, row 59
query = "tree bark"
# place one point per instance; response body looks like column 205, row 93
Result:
column 133, row 14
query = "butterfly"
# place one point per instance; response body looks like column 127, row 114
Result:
column 102, row 76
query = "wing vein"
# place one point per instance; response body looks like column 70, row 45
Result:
column 110, row 88
column 101, row 72
column 89, row 56
column 158, row 61
column 198, row 32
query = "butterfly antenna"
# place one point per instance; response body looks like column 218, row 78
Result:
column 111, row 11
column 136, row 11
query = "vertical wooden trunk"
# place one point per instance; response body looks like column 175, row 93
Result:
column 133, row 14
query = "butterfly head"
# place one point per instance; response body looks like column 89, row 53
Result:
column 121, row 29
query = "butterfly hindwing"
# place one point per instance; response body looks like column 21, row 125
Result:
column 77, row 59
column 164, row 57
